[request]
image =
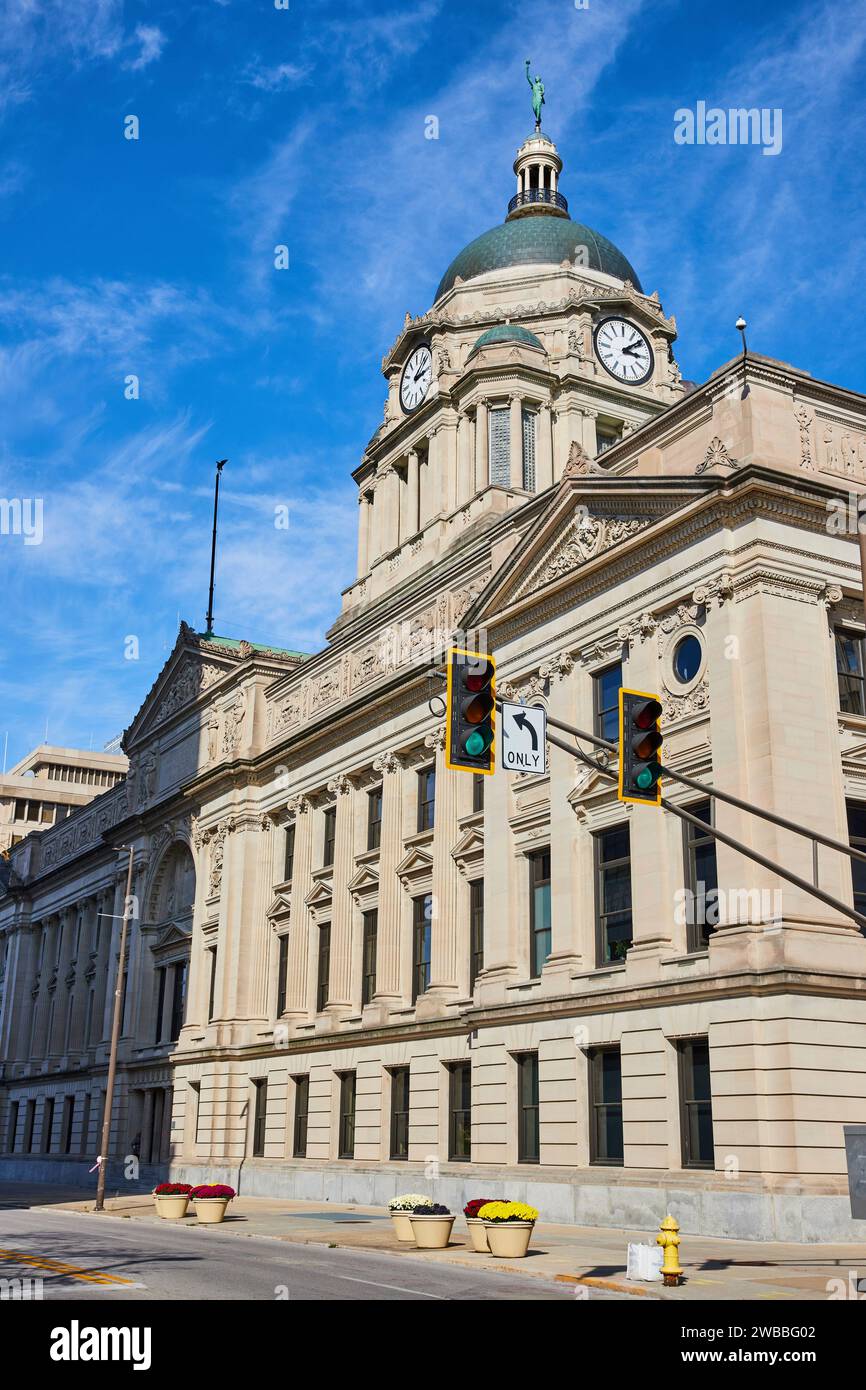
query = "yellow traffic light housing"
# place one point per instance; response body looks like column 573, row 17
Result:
column 471, row 707
column 640, row 739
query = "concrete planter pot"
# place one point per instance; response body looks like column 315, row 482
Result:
column 432, row 1232
column 210, row 1210
column 403, row 1226
column 172, row 1208
column 509, row 1240
column 478, row 1235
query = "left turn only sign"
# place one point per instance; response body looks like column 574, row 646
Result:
column 523, row 738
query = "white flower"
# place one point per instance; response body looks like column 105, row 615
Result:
column 409, row 1202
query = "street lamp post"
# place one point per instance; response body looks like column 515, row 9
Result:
column 115, row 1038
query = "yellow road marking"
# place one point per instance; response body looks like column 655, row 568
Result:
column 58, row 1267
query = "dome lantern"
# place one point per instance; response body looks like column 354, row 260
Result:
column 537, row 166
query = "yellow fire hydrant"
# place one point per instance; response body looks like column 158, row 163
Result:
column 668, row 1238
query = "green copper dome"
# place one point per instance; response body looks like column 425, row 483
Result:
column 538, row 240
column 506, row 333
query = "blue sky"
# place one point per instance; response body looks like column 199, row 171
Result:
column 306, row 127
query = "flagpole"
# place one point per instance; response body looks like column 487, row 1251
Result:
column 115, row 1038
column 216, row 501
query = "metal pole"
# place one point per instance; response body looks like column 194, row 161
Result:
column 115, row 1038
column 216, row 501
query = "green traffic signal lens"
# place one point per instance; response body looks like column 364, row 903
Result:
column 477, row 743
column 648, row 776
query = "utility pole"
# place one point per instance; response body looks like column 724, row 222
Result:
column 115, row 1038
column 221, row 463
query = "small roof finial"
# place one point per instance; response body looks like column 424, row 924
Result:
column 537, row 95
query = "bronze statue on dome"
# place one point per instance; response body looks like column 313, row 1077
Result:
column 537, row 95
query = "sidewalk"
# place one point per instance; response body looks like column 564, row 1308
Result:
column 713, row 1268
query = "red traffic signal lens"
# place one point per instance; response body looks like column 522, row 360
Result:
column 476, row 677
column 646, row 715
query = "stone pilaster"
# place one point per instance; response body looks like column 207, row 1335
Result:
column 412, row 493
column 464, row 461
column 390, row 892
column 343, row 906
column 298, row 1002
column 364, row 510
column 544, row 450
column 448, row 934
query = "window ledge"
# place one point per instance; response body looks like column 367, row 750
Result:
column 685, row 959
column 617, row 969
column 420, row 837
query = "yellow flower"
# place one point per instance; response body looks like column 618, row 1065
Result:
column 507, row 1211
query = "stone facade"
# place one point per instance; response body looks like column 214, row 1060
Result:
column 275, row 803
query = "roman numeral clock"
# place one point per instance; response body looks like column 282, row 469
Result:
column 623, row 350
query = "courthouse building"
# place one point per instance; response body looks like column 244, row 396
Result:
column 354, row 973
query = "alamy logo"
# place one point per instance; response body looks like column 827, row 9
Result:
column 22, row 516
column 77, row 1343
column 726, row 906
column 738, row 126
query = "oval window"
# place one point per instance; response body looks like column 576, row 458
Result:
column 688, row 655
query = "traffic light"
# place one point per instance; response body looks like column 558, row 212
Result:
column 639, row 742
column 471, row 704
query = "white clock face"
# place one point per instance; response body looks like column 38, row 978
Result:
column 417, row 378
column 623, row 351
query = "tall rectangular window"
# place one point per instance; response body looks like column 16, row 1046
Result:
column 460, row 1112
column 374, row 818
column 613, row 894
column 368, row 975
column 282, row 973
column 696, row 1104
column 85, row 1125
column 346, row 1148
column 160, row 1003
column 528, row 1138
column 857, row 840
column 302, row 1110
column 849, row 672
column 702, row 879
column 68, row 1118
column 47, row 1123
column 88, row 1022
column 606, row 687
column 212, row 988
column 426, row 798
column 500, row 446
column 323, row 970
column 178, row 998
column 330, row 819
column 477, row 791
column 289, row 861
column 605, row 1103
column 539, row 911
column 29, row 1126
column 476, row 930
column 12, row 1127
column 421, row 912
column 529, row 450
column 260, row 1117
column 400, row 1112
column 195, row 1104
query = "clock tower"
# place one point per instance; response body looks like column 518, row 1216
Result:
column 541, row 347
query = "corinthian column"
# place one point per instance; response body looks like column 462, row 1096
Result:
column 412, row 519
column 482, row 447
column 298, row 1003
column 464, row 461
column 343, row 907
column 446, row 931
column 516, row 433
column 390, row 899
column 364, row 511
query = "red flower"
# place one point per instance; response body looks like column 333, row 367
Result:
column 472, row 1208
column 172, row 1189
column 213, row 1189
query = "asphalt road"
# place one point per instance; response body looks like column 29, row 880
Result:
column 92, row 1258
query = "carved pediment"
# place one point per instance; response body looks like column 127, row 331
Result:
column 319, row 898
column 170, row 940
column 415, row 867
column 365, row 880
column 280, row 909
column 468, row 853
column 193, row 667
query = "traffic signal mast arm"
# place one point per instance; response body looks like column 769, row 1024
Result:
column 706, row 829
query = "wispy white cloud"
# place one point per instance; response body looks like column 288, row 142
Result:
column 152, row 41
